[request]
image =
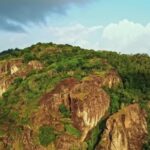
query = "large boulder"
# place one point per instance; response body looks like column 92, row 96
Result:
column 125, row 130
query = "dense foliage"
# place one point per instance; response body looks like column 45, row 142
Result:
column 61, row 61
column 46, row 135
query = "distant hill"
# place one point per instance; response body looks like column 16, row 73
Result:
column 60, row 97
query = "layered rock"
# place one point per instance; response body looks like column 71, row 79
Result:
column 50, row 103
column 88, row 103
column 4, row 84
column 11, row 66
column 107, row 79
column 125, row 130
column 111, row 79
column 13, row 69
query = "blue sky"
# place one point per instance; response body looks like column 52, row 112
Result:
column 122, row 26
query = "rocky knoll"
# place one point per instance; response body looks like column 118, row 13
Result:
column 86, row 100
column 125, row 130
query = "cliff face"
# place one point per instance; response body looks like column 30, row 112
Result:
column 8, row 68
column 12, row 69
column 11, row 66
column 125, row 130
column 88, row 103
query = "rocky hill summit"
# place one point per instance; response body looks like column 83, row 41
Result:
column 59, row 97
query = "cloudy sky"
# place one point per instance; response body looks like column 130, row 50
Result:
column 118, row 25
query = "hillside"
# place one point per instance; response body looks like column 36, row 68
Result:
column 60, row 97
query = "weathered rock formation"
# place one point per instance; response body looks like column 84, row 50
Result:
column 111, row 79
column 50, row 103
column 4, row 84
column 67, row 142
column 13, row 69
column 86, row 100
column 11, row 66
column 108, row 79
column 88, row 103
column 34, row 64
column 125, row 130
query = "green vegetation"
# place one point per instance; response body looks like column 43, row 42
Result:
column 96, row 135
column 62, row 61
column 28, row 57
column 65, row 112
column 46, row 135
column 70, row 129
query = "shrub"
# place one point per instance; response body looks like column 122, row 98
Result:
column 17, row 81
column 65, row 112
column 46, row 135
column 28, row 57
column 70, row 129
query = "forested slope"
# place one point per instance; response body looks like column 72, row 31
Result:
column 64, row 97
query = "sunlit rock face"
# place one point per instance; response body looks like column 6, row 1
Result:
column 34, row 64
column 108, row 79
column 2, row 88
column 4, row 84
column 11, row 66
column 88, row 103
column 12, row 69
column 125, row 130
column 7, row 72
column 111, row 79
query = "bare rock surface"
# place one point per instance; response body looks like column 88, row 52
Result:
column 125, row 130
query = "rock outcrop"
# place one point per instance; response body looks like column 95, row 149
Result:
column 4, row 84
column 13, row 69
column 35, row 64
column 86, row 100
column 11, row 66
column 125, row 130
column 111, row 79
column 108, row 79
column 88, row 104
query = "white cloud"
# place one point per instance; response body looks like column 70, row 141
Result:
column 76, row 35
column 126, row 37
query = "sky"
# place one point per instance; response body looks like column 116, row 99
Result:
column 116, row 25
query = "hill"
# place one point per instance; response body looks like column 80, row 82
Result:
column 60, row 97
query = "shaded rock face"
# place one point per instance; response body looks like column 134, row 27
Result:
column 50, row 103
column 88, row 103
column 125, row 130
